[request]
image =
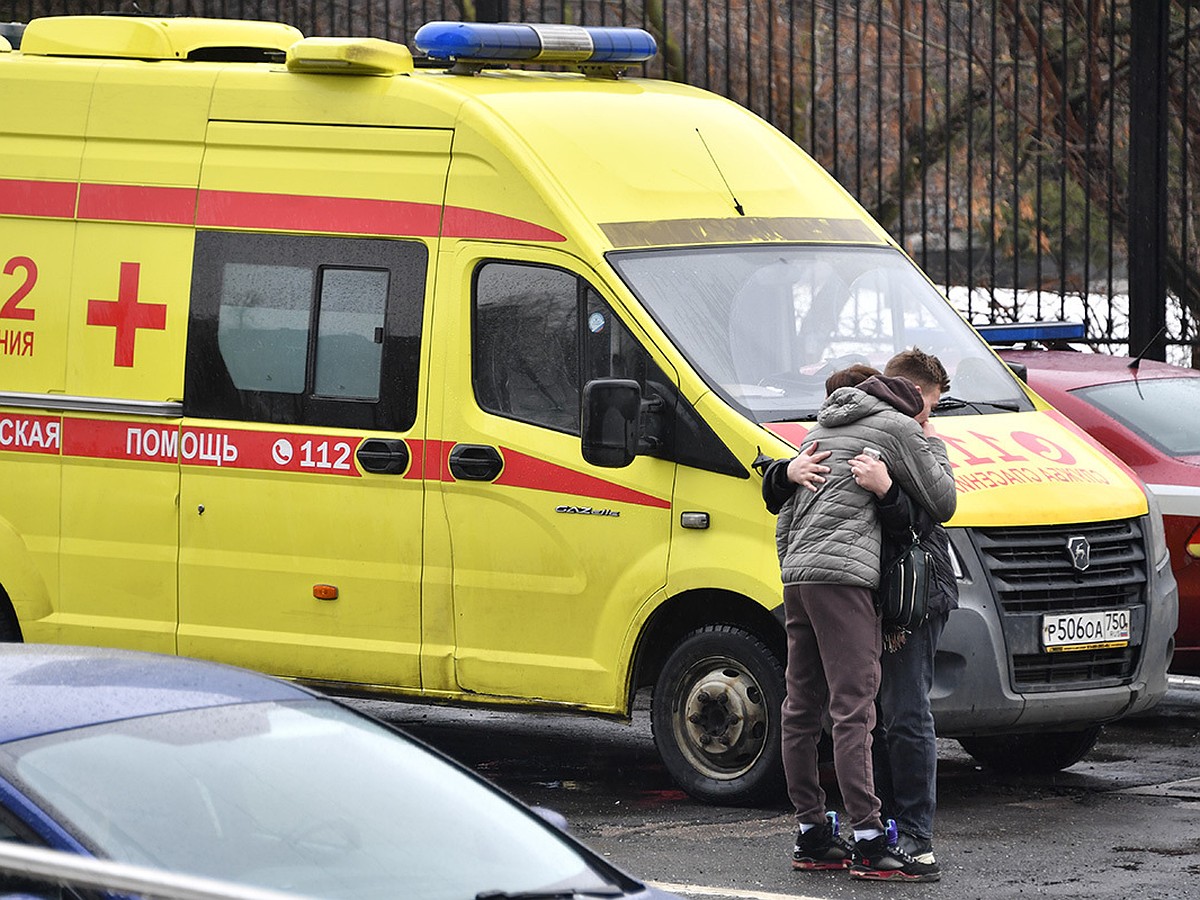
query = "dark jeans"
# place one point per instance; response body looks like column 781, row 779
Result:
column 833, row 652
column 905, row 743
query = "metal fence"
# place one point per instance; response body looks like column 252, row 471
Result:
column 1016, row 148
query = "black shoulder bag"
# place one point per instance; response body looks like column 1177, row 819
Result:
column 904, row 584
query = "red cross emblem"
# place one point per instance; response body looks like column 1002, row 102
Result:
column 126, row 315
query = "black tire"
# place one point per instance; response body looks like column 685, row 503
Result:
column 10, row 629
column 715, row 714
column 1040, row 753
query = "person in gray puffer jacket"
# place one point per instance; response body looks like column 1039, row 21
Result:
column 829, row 542
column 834, row 535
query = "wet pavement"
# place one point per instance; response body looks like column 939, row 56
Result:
column 1122, row 823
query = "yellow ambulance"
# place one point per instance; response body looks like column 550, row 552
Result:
column 445, row 379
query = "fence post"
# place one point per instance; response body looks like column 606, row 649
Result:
column 491, row 10
column 1148, row 177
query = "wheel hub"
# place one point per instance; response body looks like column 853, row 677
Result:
column 724, row 718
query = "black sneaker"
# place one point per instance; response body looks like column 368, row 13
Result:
column 822, row 848
column 882, row 859
column 919, row 849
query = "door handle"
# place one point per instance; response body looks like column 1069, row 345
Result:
column 475, row 462
column 384, row 457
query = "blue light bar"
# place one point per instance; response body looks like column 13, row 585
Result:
column 1018, row 332
column 490, row 42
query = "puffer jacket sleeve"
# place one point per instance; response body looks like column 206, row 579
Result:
column 923, row 471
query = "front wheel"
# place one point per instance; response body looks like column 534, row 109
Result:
column 1039, row 753
column 715, row 714
column 10, row 629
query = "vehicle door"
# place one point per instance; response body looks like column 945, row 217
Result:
column 300, row 505
column 123, row 352
column 551, row 558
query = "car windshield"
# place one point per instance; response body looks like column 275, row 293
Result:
column 766, row 325
column 1151, row 408
column 304, row 797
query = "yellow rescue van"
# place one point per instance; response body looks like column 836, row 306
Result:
column 446, row 379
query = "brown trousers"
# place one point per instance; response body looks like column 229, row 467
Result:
column 833, row 643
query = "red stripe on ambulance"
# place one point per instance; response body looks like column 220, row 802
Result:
column 278, row 451
column 290, row 212
column 137, row 203
column 430, row 460
column 462, row 222
column 30, row 434
column 792, row 432
column 45, row 199
column 250, row 209
column 350, row 215
column 524, row 471
column 269, row 451
column 108, row 439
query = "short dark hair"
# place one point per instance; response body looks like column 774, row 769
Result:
column 851, row 376
column 921, row 368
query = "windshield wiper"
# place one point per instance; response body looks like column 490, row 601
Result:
column 804, row 415
column 1007, row 405
column 948, row 402
column 552, row 893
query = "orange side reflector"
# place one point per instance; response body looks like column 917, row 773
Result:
column 325, row 591
column 1193, row 544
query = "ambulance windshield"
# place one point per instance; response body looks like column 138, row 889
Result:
column 766, row 325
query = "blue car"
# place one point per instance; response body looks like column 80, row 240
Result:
column 209, row 770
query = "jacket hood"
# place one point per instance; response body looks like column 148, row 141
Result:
column 849, row 404
column 897, row 391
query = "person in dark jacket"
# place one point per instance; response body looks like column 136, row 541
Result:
column 829, row 540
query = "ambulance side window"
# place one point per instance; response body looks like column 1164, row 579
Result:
column 305, row 330
column 262, row 326
column 539, row 334
column 350, row 332
column 525, row 344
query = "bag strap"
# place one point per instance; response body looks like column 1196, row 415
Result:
column 915, row 511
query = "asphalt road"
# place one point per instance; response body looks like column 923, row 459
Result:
column 1123, row 823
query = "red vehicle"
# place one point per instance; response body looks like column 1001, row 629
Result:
column 1148, row 416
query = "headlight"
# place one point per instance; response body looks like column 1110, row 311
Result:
column 1156, row 534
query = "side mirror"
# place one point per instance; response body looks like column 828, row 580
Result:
column 611, row 412
column 1020, row 370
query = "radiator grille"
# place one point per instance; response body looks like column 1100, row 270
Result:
column 1079, row 668
column 1032, row 574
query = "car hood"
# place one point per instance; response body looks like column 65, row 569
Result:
column 1028, row 468
column 57, row 688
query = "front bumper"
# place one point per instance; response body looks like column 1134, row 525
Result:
column 975, row 690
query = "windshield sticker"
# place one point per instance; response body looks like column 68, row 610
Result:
column 668, row 232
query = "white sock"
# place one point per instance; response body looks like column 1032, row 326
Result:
column 867, row 835
column 804, row 826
